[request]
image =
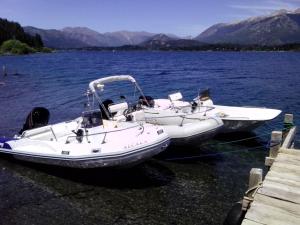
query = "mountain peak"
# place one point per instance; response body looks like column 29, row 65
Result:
column 80, row 30
column 281, row 27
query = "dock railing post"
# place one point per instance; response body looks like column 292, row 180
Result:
column 275, row 143
column 255, row 177
column 288, row 123
column 255, row 180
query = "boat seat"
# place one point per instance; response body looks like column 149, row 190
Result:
column 138, row 116
column 175, row 97
column 180, row 104
column 118, row 109
column 91, row 119
column 64, row 129
column 41, row 133
column 110, row 124
column 162, row 103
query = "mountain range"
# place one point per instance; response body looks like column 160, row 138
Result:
column 279, row 28
column 78, row 37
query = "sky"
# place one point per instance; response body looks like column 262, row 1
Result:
column 180, row 17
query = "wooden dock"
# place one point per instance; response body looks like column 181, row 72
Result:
column 276, row 200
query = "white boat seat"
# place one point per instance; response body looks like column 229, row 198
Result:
column 118, row 108
column 175, row 97
column 41, row 133
column 180, row 104
column 138, row 116
column 162, row 103
column 110, row 124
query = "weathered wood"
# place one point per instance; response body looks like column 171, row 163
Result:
column 289, row 118
column 290, row 151
column 282, row 180
column 276, row 139
column 277, row 201
column 279, row 166
column 269, row 161
column 288, row 159
column 255, row 177
column 281, row 191
column 289, row 139
column 282, row 169
column 267, row 210
column 284, row 175
column 250, row 222
column 284, row 205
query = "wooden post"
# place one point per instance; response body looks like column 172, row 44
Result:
column 276, row 139
column 255, row 177
column 289, row 118
column 288, row 123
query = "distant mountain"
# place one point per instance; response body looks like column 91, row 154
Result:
column 161, row 41
column 128, row 37
column 78, row 37
column 55, row 38
column 281, row 27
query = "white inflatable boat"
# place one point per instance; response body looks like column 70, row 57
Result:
column 182, row 121
column 96, row 139
column 237, row 119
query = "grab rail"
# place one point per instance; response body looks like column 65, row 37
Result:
column 104, row 132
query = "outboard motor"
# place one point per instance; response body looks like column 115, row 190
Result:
column 146, row 100
column 204, row 99
column 38, row 117
column 205, row 95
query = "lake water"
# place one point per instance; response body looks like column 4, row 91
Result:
column 187, row 185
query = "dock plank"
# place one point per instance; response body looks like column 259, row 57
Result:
column 281, row 191
column 284, row 175
column 267, row 210
column 283, row 205
column 288, row 159
column 290, row 151
column 250, row 222
column 279, row 166
column 277, row 201
column 284, row 170
column 283, row 180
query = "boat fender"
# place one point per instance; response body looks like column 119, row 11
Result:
column 235, row 216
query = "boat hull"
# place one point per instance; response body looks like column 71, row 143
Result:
column 231, row 126
column 118, row 160
column 184, row 128
column 196, row 138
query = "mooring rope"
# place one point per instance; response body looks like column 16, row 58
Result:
column 214, row 154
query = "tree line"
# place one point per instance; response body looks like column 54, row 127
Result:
column 12, row 30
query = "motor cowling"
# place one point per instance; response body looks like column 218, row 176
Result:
column 38, row 117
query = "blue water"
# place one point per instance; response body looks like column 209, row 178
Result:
column 198, row 191
column 59, row 80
